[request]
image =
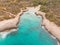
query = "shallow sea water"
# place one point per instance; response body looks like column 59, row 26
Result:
column 30, row 32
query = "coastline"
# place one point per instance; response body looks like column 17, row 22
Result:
column 50, row 26
column 45, row 22
column 54, row 34
column 11, row 25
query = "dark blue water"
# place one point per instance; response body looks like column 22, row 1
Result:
column 30, row 32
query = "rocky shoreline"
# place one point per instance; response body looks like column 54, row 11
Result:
column 11, row 23
column 9, row 26
column 50, row 26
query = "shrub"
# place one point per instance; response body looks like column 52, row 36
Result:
column 35, row 2
column 50, row 16
column 43, row 2
column 44, row 9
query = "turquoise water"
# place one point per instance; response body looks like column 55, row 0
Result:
column 30, row 32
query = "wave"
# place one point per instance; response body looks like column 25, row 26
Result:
column 4, row 34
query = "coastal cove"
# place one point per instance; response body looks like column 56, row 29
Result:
column 29, row 32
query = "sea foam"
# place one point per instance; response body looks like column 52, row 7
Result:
column 4, row 34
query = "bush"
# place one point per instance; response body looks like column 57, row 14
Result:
column 50, row 16
column 44, row 9
column 39, row 2
column 43, row 2
column 35, row 2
